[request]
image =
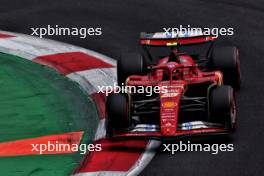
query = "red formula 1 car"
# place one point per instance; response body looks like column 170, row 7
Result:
column 196, row 92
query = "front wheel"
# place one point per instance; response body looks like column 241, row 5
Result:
column 223, row 106
column 118, row 111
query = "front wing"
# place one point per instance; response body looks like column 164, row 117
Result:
column 193, row 128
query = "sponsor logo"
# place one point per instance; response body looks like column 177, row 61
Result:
column 171, row 94
column 172, row 44
column 188, row 126
column 169, row 104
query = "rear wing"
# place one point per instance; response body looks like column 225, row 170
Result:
column 174, row 39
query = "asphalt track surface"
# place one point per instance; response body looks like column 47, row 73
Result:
column 122, row 21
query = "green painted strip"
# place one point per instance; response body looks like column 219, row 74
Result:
column 39, row 165
column 37, row 101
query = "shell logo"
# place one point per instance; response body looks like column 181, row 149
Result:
column 169, row 104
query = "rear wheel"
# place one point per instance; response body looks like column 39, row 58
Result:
column 130, row 64
column 223, row 106
column 226, row 59
column 118, row 111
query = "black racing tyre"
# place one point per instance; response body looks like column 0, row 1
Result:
column 226, row 59
column 222, row 105
column 118, row 111
column 130, row 64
